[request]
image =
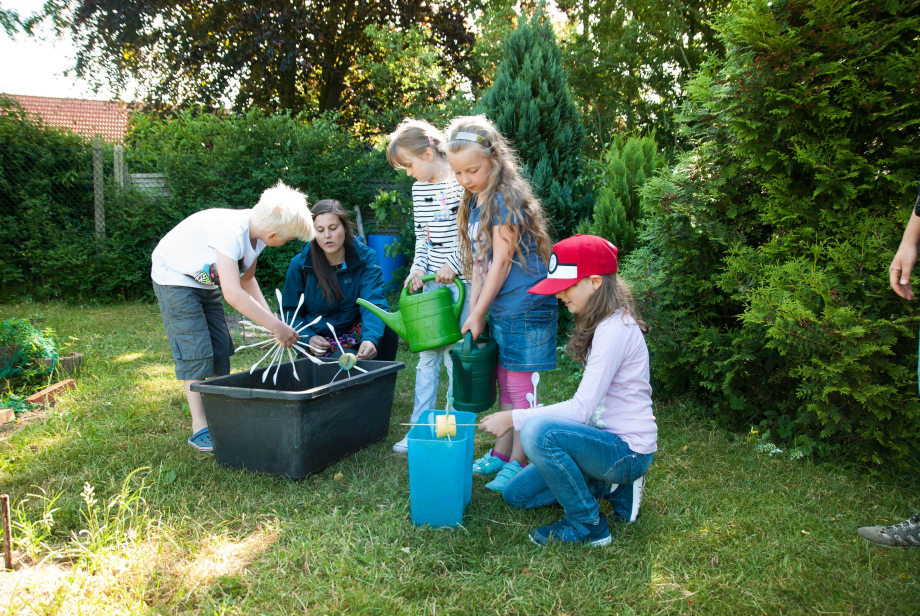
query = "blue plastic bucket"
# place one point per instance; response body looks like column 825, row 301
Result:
column 388, row 265
column 440, row 471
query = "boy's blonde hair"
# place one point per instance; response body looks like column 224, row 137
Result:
column 504, row 178
column 414, row 137
column 285, row 211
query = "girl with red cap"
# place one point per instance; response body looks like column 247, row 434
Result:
column 600, row 443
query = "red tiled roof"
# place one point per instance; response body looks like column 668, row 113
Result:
column 88, row 118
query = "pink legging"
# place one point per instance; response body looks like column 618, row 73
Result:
column 514, row 386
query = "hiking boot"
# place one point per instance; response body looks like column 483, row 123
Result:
column 903, row 535
column 568, row 530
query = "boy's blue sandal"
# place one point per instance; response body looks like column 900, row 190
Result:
column 487, row 464
column 568, row 530
column 201, row 441
column 509, row 470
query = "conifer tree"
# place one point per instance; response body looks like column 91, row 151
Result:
column 533, row 107
column 629, row 164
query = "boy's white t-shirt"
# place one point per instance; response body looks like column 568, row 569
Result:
column 187, row 255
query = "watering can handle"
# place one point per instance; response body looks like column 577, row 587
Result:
column 458, row 305
column 467, row 343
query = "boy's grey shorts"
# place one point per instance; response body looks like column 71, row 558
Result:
column 196, row 330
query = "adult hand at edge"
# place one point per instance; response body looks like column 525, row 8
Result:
column 900, row 270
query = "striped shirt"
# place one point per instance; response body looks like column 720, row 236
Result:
column 434, row 208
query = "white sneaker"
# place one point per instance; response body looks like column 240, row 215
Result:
column 402, row 446
column 626, row 500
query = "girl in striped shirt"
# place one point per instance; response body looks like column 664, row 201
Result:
column 417, row 147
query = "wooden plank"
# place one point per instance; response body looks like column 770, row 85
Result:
column 49, row 395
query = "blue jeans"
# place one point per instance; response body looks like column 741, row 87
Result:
column 572, row 464
column 428, row 370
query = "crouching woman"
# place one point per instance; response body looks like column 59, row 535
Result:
column 331, row 272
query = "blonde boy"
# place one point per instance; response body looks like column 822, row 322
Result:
column 216, row 251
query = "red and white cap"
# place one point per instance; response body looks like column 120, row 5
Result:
column 575, row 258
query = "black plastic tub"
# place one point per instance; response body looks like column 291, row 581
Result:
column 297, row 428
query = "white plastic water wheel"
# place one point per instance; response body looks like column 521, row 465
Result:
column 347, row 361
column 445, row 425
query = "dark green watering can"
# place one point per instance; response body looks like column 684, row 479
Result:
column 474, row 373
column 425, row 320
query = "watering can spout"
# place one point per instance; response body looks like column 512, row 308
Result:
column 391, row 319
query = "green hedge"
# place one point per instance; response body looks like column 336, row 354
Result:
column 764, row 266
column 48, row 246
column 214, row 161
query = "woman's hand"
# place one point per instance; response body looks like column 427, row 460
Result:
column 497, row 423
column 367, row 350
column 318, row 342
column 475, row 324
column 445, row 275
column 415, row 279
column 285, row 334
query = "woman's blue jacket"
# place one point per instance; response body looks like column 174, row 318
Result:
column 361, row 277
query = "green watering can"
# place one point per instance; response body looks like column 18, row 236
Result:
column 425, row 320
column 474, row 373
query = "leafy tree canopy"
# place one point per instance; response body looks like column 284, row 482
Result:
column 276, row 54
column 628, row 60
column 9, row 21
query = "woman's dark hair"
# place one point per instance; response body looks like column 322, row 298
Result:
column 328, row 281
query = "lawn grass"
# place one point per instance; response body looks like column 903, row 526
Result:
column 724, row 529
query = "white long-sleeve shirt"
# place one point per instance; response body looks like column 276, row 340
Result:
column 614, row 394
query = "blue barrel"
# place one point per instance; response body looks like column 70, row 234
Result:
column 388, row 265
column 440, row 471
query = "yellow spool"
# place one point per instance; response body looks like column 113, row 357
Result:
column 347, row 361
column 445, row 425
